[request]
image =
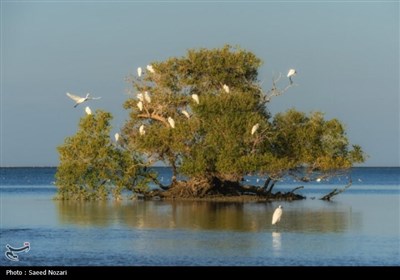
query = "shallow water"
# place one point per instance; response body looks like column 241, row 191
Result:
column 360, row 227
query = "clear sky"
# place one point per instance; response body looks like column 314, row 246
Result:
column 346, row 54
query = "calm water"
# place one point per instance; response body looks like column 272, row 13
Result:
column 360, row 227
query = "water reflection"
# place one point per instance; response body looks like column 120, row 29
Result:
column 250, row 217
column 276, row 242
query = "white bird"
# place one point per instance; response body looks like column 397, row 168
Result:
column 254, row 128
column 150, row 68
column 78, row 100
column 186, row 114
column 171, row 122
column 116, row 136
column 140, row 96
column 141, row 130
column 88, row 111
column 290, row 74
column 196, row 98
column 318, row 180
column 139, row 71
column 226, row 88
column 276, row 217
column 147, row 97
column 140, row 105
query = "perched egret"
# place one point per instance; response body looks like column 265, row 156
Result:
column 186, row 114
column 140, row 96
column 290, row 74
column 140, row 105
column 147, row 97
column 116, row 136
column 254, row 128
column 171, row 122
column 78, row 100
column 139, row 71
column 276, row 217
column 318, row 180
column 141, row 130
column 88, row 111
column 226, row 88
column 150, row 68
column 196, row 98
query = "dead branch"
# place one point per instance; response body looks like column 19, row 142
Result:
column 336, row 192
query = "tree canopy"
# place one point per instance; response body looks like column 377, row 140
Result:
column 206, row 115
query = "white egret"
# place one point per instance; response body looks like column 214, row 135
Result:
column 140, row 105
column 276, row 217
column 141, row 130
column 196, row 98
column 171, row 122
column 88, row 111
column 139, row 71
column 318, row 180
column 78, row 100
column 254, row 128
column 140, row 96
column 226, row 88
column 116, row 136
column 147, row 97
column 150, row 68
column 290, row 74
column 186, row 114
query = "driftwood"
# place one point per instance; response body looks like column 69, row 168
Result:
column 336, row 192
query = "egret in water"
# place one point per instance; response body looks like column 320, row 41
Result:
column 78, row 100
column 88, row 111
column 186, row 114
column 116, row 136
column 141, row 130
column 150, row 68
column 290, row 74
column 140, row 105
column 147, row 97
column 171, row 122
column 276, row 217
column 254, row 128
column 226, row 88
column 139, row 71
column 196, row 98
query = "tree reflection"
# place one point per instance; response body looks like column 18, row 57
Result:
column 249, row 217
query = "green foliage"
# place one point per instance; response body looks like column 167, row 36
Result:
column 210, row 139
column 92, row 166
column 216, row 140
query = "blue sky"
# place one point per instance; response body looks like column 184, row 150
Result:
column 346, row 54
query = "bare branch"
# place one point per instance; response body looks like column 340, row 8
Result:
column 336, row 192
column 154, row 117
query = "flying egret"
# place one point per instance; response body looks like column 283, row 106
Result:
column 254, row 128
column 88, row 111
column 226, row 88
column 140, row 96
column 186, row 114
column 140, row 105
column 276, row 217
column 290, row 74
column 147, row 97
column 116, row 136
column 150, row 68
column 139, row 71
column 141, row 130
column 196, row 98
column 78, row 100
column 171, row 122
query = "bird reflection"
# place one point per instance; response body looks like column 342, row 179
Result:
column 276, row 241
